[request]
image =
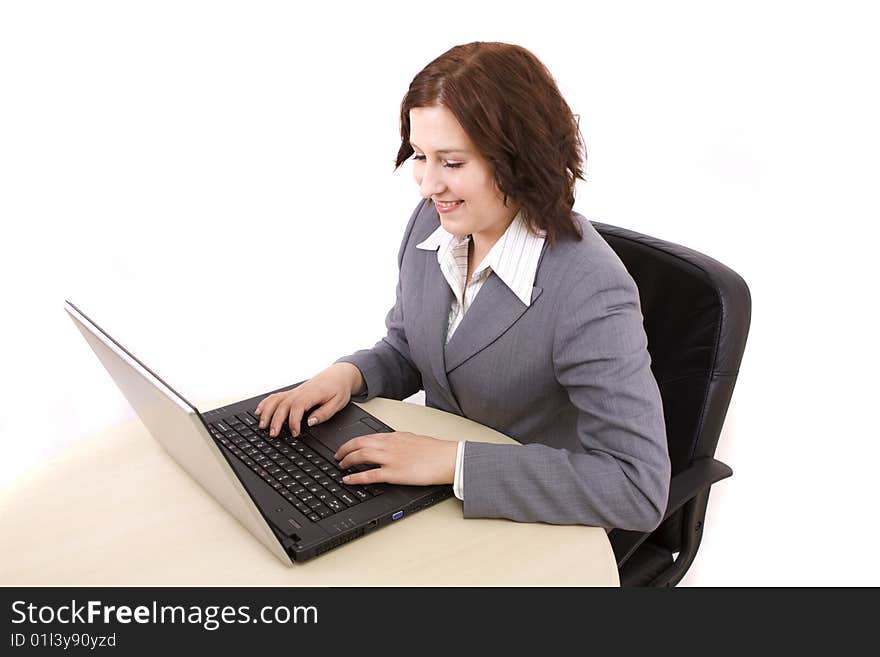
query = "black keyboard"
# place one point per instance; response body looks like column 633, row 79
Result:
column 298, row 473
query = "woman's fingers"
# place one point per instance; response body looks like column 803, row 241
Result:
column 298, row 406
column 371, row 476
column 362, row 456
column 402, row 457
column 280, row 416
column 274, row 410
column 327, row 402
column 370, row 440
column 290, row 407
column 329, row 391
column 325, row 411
column 266, row 408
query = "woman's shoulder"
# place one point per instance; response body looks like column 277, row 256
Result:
column 572, row 259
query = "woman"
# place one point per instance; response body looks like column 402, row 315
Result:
column 511, row 310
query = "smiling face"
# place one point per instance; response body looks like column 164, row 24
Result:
column 449, row 171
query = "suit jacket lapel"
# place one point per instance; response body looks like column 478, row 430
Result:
column 493, row 311
column 436, row 303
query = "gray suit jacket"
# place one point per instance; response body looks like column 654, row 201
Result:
column 568, row 376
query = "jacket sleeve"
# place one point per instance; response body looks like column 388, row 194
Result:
column 620, row 476
column 387, row 368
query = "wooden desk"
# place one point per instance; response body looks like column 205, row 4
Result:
column 115, row 509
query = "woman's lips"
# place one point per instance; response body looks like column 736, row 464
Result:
column 447, row 206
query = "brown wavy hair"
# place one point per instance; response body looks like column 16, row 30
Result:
column 511, row 109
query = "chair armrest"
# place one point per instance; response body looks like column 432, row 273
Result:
column 684, row 486
column 688, row 483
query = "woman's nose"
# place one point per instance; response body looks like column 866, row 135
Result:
column 430, row 184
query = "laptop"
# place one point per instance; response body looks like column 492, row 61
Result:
column 286, row 491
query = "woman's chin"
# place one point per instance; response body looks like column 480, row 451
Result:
column 454, row 225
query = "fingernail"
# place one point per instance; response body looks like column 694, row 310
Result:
column 346, row 478
column 313, row 421
column 294, row 433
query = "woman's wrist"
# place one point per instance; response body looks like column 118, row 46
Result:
column 357, row 384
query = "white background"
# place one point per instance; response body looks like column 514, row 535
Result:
column 213, row 183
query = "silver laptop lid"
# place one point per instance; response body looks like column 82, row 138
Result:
column 176, row 425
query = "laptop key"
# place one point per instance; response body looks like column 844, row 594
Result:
column 247, row 419
column 358, row 492
column 334, row 505
column 348, row 499
column 279, row 458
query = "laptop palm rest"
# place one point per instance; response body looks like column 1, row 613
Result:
column 333, row 439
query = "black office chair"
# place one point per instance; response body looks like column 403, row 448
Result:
column 697, row 314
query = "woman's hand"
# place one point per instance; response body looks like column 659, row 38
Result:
column 403, row 458
column 331, row 389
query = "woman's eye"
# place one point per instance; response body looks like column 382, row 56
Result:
column 450, row 165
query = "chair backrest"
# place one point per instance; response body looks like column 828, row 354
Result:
column 696, row 315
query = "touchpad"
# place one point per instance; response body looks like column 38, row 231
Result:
column 334, row 439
